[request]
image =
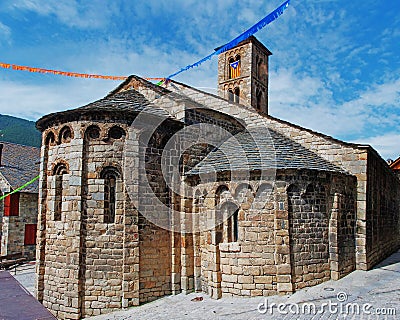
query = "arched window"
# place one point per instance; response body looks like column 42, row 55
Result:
column 259, row 67
column 65, row 135
column 258, row 98
column 110, row 176
column 116, row 133
column 230, row 95
column 222, row 191
column 92, row 132
column 59, row 171
column 257, row 59
column 50, row 139
column 231, row 224
column 237, row 95
column 235, row 226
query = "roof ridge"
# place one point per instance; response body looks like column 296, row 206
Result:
column 354, row 145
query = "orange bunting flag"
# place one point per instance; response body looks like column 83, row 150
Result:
column 67, row 74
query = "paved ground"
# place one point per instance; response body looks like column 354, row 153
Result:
column 369, row 292
column 25, row 275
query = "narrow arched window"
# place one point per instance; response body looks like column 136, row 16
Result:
column 235, row 225
column 259, row 67
column 230, row 62
column 237, row 95
column 259, row 98
column 110, row 176
column 230, row 95
column 59, row 171
column 50, row 139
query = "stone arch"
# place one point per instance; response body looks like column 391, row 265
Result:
column 218, row 193
column 109, row 167
column 50, row 139
column 263, row 195
column 242, row 192
column 110, row 170
column 65, row 135
column 60, row 167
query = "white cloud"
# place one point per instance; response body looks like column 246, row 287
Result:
column 387, row 144
column 33, row 101
column 308, row 101
column 74, row 13
column 5, row 32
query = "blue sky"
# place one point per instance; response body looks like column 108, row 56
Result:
column 335, row 66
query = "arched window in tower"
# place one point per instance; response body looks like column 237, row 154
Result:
column 110, row 176
column 257, row 59
column 258, row 98
column 237, row 95
column 259, row 68
column 234, row 67
column 59, row 171
column 230, row 95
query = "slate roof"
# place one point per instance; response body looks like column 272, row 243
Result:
column 125, row 102
column 20, row 164
column 260, row 150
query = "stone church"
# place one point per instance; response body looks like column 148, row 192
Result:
column 157, row 190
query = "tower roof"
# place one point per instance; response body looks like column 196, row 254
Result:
column 251, row 39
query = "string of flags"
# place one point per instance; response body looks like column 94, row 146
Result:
column 235, row 65
column 68, row 74
column 19, row 188
column 243, row 36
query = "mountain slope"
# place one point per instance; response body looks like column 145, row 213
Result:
column 19, row 131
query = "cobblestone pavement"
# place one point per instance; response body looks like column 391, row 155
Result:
column 372, row 290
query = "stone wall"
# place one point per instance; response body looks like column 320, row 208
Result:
column 352, row 158
column 86, row 264
column 81, row 256
column 382, row 214
column 309, row 235
column 287, row 233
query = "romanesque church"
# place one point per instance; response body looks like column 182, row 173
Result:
column 158, row 190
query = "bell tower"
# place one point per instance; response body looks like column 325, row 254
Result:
column 243, row 74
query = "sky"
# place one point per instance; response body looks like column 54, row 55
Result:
column 335, row 66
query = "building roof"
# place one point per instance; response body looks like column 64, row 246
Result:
column 20, row 164
column 395, row 165
column 261, row 149
column 125, row 103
